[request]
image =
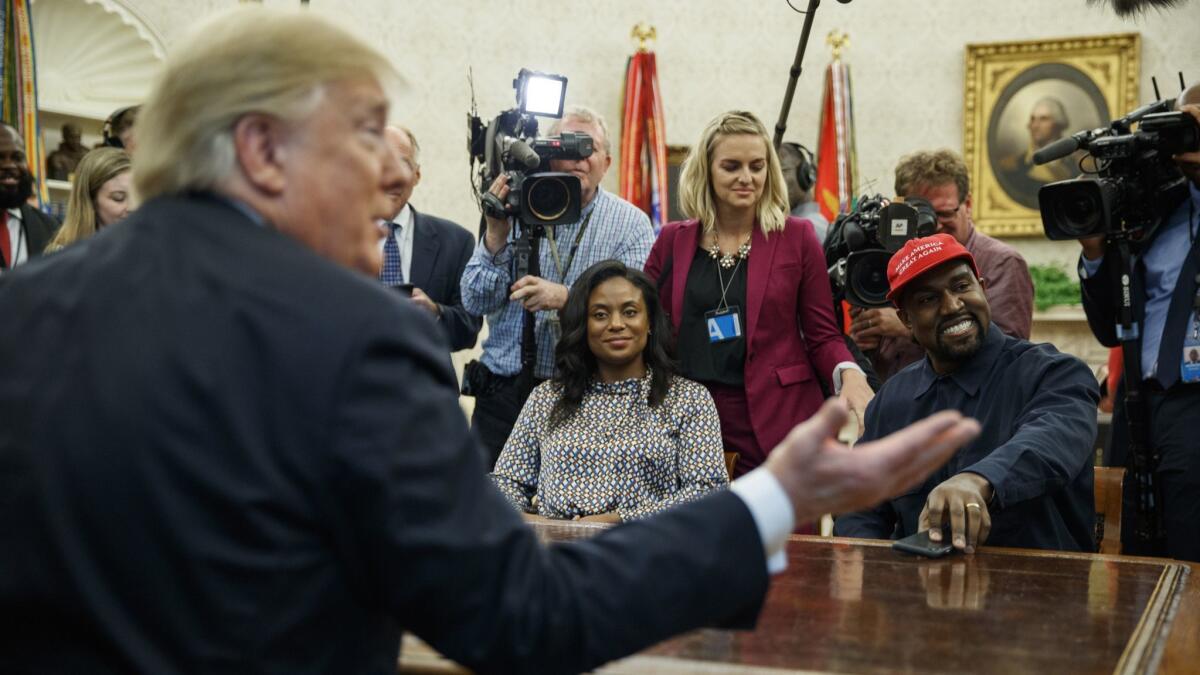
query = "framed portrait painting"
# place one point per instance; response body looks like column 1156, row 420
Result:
column 1021, row 96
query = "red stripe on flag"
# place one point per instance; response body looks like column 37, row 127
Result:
column 834, row 190
column 643, row 161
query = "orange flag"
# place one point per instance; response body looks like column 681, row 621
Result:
column 643, row 175
column 834, row 190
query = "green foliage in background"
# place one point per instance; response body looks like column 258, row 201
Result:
column 1052, row 286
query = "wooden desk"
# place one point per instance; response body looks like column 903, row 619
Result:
column 857, row 606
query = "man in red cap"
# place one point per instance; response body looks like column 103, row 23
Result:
column 1027, row 479
column 941, row 178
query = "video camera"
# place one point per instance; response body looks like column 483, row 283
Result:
column 509, row 144
column 1134, row 187
column 861, row 243
column 1136, row 182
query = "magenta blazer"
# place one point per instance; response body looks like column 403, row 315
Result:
column 791, row 335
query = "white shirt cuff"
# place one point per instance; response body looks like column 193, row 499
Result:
column 772, row 512
column 837, row 374
column 1088, row 268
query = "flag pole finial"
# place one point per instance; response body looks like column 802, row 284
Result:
column 837, row 41
column 644, row 34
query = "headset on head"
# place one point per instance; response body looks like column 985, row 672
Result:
column 111, row 139
column 806, row 172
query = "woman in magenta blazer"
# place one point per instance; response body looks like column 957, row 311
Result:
column 747, row 293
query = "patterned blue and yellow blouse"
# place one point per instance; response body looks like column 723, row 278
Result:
column 616, row 453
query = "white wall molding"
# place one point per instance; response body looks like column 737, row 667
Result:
column 93, row 56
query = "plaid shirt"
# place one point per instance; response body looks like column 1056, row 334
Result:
column 617, row 230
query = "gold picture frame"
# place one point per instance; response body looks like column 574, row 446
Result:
column 675, row 156
column 1084, row 82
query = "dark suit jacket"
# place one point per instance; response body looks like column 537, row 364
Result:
column 1101, row 291
column 441, row 250
column 220, row 453
column 39, row 230
column 791, row 336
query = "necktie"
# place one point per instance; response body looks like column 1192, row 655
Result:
column 1170, row 351
column 5, row 242
column 392, row 273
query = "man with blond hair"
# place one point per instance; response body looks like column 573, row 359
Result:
column 940, row 177
column 608, row 228
column 227, row 447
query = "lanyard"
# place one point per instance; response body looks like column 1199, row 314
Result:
column 562, row 271
column 725, row 286
column 1196, row 297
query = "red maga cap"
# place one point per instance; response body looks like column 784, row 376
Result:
column 918, row 256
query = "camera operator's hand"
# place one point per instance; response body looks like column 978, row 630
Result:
column 962, row 500
column 867, row 326
column 496, row 236
column 1093, row 247
column 537, row 294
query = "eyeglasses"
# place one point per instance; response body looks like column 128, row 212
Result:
column 946, row 216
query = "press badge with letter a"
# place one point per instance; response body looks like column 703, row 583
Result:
column 1189, row 361
column 723, row 324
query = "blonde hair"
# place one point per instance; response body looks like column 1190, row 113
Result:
column 248, row 60
column 696, row 196
column 95, row 169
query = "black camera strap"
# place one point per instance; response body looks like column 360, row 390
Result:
column 558, row 266
column 1143, row 459
column 528, row 332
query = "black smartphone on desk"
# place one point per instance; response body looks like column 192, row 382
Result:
column 921, row 544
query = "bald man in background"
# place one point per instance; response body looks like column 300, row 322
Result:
column 425, row 255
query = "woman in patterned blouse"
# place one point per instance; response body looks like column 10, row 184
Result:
column 616, row 435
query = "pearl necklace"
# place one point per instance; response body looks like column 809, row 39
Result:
column 728, row 260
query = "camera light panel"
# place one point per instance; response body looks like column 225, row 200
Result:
column 543, row 95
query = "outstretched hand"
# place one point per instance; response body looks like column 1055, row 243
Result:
column 822, row 475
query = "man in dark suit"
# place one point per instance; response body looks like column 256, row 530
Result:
column 24, row 231
column 425, row 254
column 257, row 462
column 1166, row 285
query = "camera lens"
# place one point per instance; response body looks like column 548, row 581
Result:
column 868, row 277
column 1079, row 213
column 548, row 198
